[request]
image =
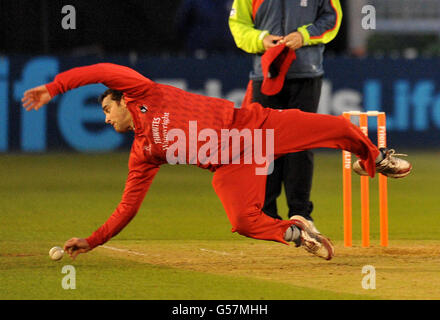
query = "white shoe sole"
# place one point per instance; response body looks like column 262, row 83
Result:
column 325, row 251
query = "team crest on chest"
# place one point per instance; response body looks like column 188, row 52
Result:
column 143, row 108
column 304, row 3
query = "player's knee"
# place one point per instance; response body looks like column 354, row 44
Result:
column 243, row 225
column 345, row 126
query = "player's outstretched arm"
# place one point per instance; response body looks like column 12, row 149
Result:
column 35, row 98
column 75, row 246
column 111, row 75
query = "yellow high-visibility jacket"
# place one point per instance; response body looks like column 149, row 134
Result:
column 317, row 20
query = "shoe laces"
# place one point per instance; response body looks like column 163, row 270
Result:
column 390, row 159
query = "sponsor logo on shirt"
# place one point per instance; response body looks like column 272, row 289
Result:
column 159, row 129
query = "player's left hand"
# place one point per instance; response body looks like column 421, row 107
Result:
column 75, row 246
column 35, row 98
column 293, row 40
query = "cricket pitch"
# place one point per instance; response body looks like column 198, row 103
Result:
column 405, row 270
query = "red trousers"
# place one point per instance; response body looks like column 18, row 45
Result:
column 242, row 192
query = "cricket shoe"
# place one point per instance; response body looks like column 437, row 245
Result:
column 312, row 241
column 390, row 165
column 311, row 225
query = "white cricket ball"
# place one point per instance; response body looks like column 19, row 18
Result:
column 56, row 253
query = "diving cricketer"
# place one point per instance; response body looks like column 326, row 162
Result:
column 165, row 119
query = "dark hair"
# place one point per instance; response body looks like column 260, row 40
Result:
column 114, row 94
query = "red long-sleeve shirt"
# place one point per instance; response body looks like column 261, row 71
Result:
column 156, row 109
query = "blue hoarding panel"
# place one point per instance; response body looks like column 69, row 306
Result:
column 407, row 90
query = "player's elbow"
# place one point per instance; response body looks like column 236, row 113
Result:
column 129, row 209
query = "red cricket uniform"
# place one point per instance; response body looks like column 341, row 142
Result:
column 156, row 109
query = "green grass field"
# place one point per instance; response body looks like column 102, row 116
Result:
column 179, row 246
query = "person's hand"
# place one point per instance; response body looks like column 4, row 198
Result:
column 270, row 41
column 293, row 40
column 35, row 98
column 75, row 246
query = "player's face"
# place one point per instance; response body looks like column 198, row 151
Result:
column 117, row 114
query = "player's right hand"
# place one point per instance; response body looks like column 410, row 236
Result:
column 35, row 98
column 75, row 246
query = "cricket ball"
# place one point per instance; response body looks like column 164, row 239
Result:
column 56, row 253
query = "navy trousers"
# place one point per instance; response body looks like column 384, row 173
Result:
column 293, row 170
